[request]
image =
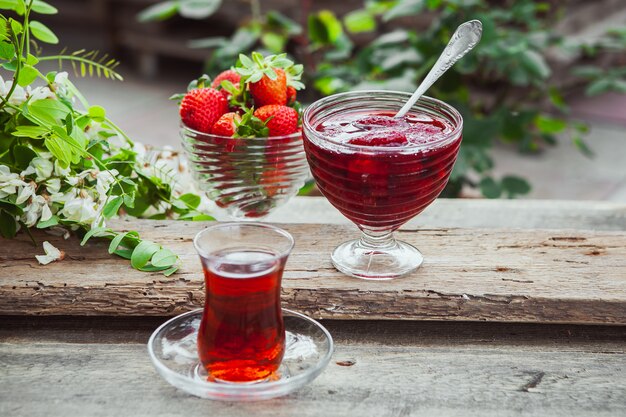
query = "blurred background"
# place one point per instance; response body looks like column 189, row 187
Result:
column 543, row 95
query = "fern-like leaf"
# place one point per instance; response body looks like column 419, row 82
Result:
column 86, row 63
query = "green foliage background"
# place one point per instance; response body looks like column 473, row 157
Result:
column 507, row 89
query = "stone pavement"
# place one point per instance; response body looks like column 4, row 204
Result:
column 143, row 110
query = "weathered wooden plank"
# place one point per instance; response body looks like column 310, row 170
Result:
column 479, row 213
column 412, row 369
column 468, row 274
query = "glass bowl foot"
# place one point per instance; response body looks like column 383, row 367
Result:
column 358, row 259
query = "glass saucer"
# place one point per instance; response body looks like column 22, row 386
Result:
column 173, row 351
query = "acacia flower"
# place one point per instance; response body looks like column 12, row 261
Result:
column 41, row 166
column 9, row 182
column 52, row 254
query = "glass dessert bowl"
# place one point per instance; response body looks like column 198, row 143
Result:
column 380, row 172
column 246, row 178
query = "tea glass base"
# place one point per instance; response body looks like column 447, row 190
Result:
column 360, row 260
column 173, row 351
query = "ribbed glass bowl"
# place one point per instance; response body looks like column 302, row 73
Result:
column 246, row 178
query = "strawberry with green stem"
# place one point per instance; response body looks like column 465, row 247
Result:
column 269, row 78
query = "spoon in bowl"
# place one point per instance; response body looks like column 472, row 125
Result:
column 465, row 38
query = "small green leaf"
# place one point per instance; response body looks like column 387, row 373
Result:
column 23, row 155
column 170, row 271
column 16, row 27
column 43, row 33
column 8, row 225
column 198, row 9
column 129, row 200
column 142, row 253
column 324, row 27
column 111, row 208
column 97, row 113
column 490, row 188
column 52, row 221
column 7, row 50
column 514, row 185
column 359, row 21
column 116, row 241
column 92, row 232
column 547, row 124
column 404, row 8
column 599, row 86
column 191, row 200
column 164, row 258
column 27, row 75
column 32, row 60
column 33, row 132
column 273, row 41
column 159, row 11
column 42, row 7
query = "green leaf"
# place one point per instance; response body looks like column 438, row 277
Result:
column 129, row 200
column 97, row 113
column 33, row 132
column 32, row 60
column 490, row 188
column 164, row 258
column 16, row 27
column 198, row 9
column 324, row 27
column 142, row 253
column 49, row 111
column 359, row 21
column 191, row 200
column 550, row 125
column 52, row 221
column 58, row 148
column 170, row 271
column 599, row 86
column 535, row 64
column 274, row 42
column 7, row 50
column 23, row 155
column 278, row 20
column 92, row 232
column 514, row 185
column 11, row 5
column 404, row 8
column 116, row 241
column 43, row 33
column 159, row 11
column 111, row 208
column 8, row 225
column 42, row 7
column 27, row 75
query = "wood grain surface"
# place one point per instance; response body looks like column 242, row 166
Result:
column 100, row 367
column 537, row 276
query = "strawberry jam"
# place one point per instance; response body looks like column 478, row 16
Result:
column 380, row 171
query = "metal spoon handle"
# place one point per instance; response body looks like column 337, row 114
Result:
column 464, row 40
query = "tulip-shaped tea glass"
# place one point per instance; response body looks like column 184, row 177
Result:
column 242, row 336
column 246, row 178
column 376, row 177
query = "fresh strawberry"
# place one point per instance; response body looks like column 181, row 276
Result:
column 229, row 75
column 291, row 95
column 270, row 91
column 268, row 78
column 201, row 108
column 226, row 125
column 284, row 120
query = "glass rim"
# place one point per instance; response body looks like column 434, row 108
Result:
column 186, row 128
column 456, row 115
column 251, row 225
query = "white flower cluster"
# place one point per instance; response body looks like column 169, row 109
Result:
column 21, row 94
column 41, row 198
